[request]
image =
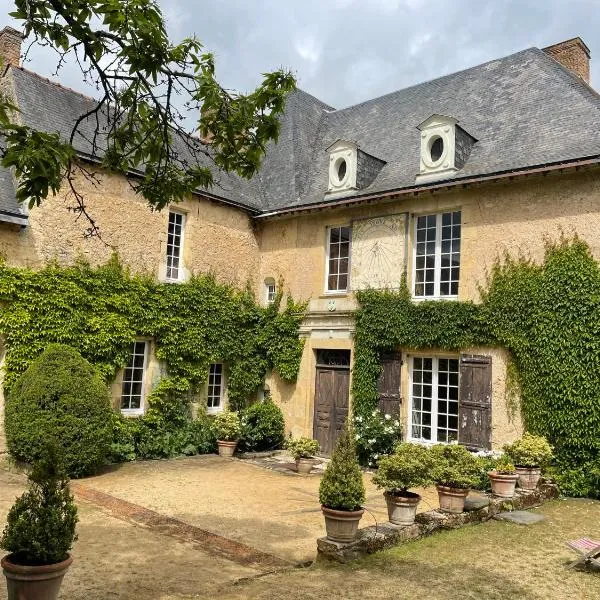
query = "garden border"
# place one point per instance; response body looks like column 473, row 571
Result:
column 386, row 535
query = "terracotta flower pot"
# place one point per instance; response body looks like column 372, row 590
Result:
column 528, row 477
column 34, row 582
column 503, row 485
column 341, row 525
column 402, row 509
column 452, row 500
column 304, row 465
column 226, row 448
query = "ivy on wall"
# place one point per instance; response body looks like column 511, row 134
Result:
column 100, row 311
column 546, row 315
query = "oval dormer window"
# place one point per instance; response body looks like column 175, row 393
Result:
column 436, row 149
column 341, row 170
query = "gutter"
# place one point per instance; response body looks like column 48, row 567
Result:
column 432, row 187
column 17, row 218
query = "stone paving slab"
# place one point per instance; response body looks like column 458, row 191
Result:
column 521, row 517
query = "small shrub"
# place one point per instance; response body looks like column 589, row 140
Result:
column 487, row 461
column 505, row 467
column 376, row 435
column 342, row 486
column 40, row 527
column 530, row 451
column 263, row 427
column 577, row 481
column 454, row 466
column 60, row 396
column 227, row 426
column 302, row 447
column 409, row 467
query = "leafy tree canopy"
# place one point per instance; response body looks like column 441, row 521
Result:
column 148, row 87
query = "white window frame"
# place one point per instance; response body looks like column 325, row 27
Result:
column 438, row 257
column 270, row 294
column 140, row 410
column 327, row 247
column 180, row 269
column 213, row 410
column 434, row 399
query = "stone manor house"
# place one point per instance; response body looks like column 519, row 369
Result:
column 433, row 182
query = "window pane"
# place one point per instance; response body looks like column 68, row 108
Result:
column 338, row 264
column 215, row 388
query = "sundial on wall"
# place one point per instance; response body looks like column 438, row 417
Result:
column 378, row 252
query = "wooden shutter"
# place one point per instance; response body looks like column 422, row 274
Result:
column 388, row 385
column 475, row 402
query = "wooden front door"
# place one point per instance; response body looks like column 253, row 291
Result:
column 332, row 390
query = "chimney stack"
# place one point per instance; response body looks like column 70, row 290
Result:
column 10, row 47
column 573, row 55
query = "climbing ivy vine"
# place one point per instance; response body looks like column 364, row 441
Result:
column 100, row 311
column 546, row 315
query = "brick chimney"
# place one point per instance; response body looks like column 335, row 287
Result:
column 572, row 54
column 10, row 47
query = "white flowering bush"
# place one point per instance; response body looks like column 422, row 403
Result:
column 488, row 460
column 375, row 435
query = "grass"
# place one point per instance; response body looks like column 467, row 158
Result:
column 492, row 561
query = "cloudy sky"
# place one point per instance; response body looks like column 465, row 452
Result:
column 346, row 51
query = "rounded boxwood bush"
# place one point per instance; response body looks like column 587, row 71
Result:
column 263, row 427
column 61, row 397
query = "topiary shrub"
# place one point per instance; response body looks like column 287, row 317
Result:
column 61, row 397
column 263, row 427
column 342, row 486
column 409, row 467
column 454, row 466
column 529, row 451
column 40, row 526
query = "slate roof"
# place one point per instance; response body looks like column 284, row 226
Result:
column 525, row 110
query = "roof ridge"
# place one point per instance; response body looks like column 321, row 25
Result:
column 54, row 83
column 440, row 78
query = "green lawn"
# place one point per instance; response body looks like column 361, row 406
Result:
column 492, row 561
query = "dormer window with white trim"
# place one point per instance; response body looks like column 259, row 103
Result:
column 342, row 166
column 445, row 148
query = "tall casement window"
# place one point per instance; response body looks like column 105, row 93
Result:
column 270, row 290
column 175, row 246
column 437, row 255
column 214, row 400
column 338, row 259
column 434, row 399
column 132, row 391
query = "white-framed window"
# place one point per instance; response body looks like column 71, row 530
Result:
column 270, row 290
column 436, row 264
column 338, row 258
column 175, row 246
column 216, row 385
column 132, row 388
column 433, row 414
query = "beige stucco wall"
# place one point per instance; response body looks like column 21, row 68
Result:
column 217, row 238
column 516, row 216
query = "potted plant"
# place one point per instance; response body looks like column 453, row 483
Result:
column 503, row 478
column 303, row 450
column 39, row 532
column 455, row 471
column 409, row 467
column 529, row 455
column 228, row 427
column 342, row 490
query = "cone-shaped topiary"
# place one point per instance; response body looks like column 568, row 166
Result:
column 40, row 526
column 342, row 486
column 60, row 397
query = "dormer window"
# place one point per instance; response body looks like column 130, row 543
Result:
column 351, row 168
column 445, row 148
column 342, row 166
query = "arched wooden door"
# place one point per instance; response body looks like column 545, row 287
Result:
column 332, row 391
